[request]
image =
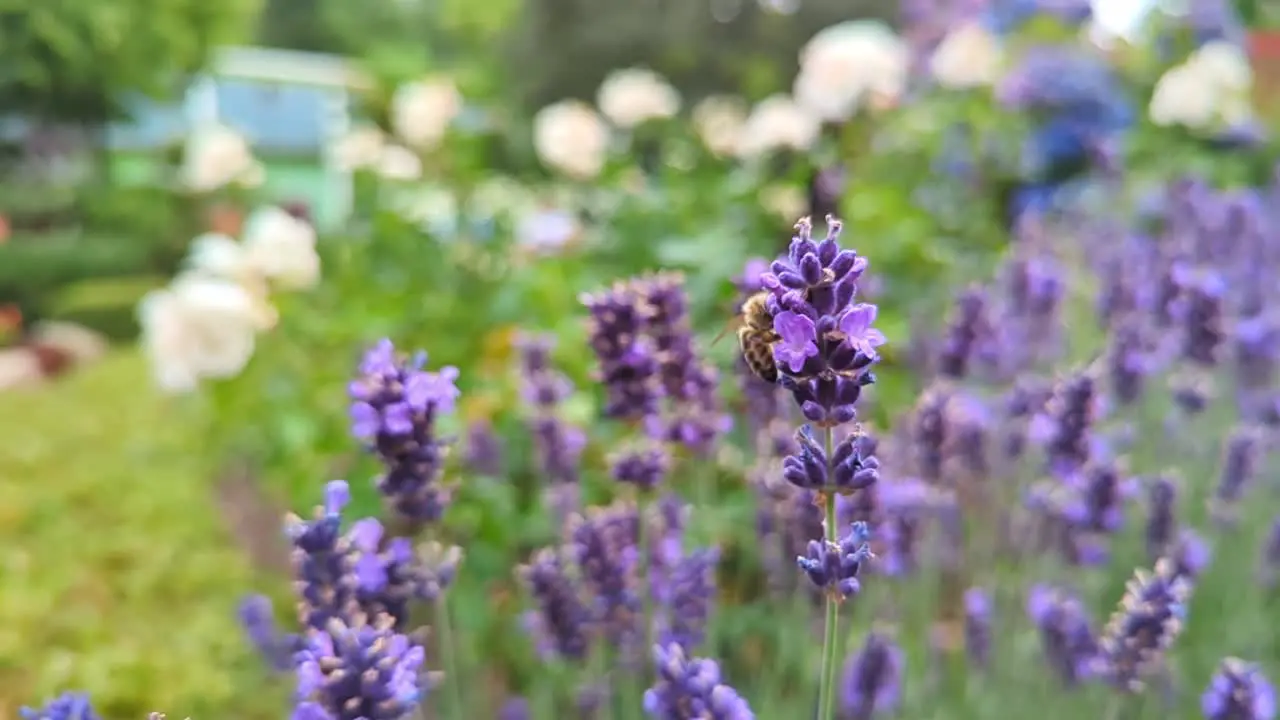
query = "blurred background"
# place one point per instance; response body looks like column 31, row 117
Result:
column 208, row 211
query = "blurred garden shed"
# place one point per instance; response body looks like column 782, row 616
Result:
column 290, row 105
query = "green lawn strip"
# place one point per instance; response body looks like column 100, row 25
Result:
column 120, row 577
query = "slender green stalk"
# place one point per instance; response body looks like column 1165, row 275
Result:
column 646, row 592
column 449, row 655
column 827, row 689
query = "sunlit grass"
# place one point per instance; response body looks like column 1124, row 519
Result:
column 119, row 575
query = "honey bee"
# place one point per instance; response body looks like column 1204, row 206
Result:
column 756, row 337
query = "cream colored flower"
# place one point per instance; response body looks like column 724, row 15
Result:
column 1211, row 90
column 282, row 248
column 571, row 138
column 199, row 327
column 775, row 123
column 720, row 120
column 422, row 111
column 359, row 149
column 217, row 156
column 631, row 97
column 845, row 64
column 219, row 256
column 969, row 56
column 398, row 163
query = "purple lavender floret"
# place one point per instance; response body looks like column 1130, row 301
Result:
column 628, row 361
column 67, row 706
column 605, row 551
column 557, row 445
column 977, row 626
column 1150, row 618
column 872, row 679
column 828, row 342
column 642, row 467
column 691, row 689
column 561, row 620
column 1201, row 313
column 517, row 708
column 694, row 416
column 345, row 575
column 1240, row 456
column 851, row 468
column 1238, row 691
column 968, row 333
column 258, row 620
column 1162, row 517
column 1190, row 554
column 1065, row 633
column 691, row 595
column 361, row 671
column 833, row 567
column 1127, row 362
column 1065, row 428
column 394, row 407
column 484, row 449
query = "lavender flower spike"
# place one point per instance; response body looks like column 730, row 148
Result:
column 691, row 689
column 873, row 679
column 359, row 672
column 67, row 706
column 1238, row 692
column 834, row 567
column 851, row 467
column 394, row 406
column 1141, row 631
column 828, row 343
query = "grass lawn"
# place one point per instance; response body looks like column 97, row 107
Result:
column 120, row 576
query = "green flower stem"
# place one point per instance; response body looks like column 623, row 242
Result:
column 827, row 690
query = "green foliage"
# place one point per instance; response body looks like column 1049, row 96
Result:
column 107, row 306
column 77, row 60
column 109, row 518
column 34, row 269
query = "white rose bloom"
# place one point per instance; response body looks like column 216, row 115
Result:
column 571, row 138
column 1210, row 90
column 199, row 327
column 845, row 64
column 217, row 156
column 359, row 149
column 422, row 111
column 282, row 248
column 399, row 164
column 720, row 120
column 631, row 97
column 218, row 255
column 777, row 122
column 967, row 57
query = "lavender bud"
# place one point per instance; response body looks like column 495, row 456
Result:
column 560, row 621
column 629, row 365
column 643, row 467
column 67, row 706
column 691, row 689
column 872, row 678
column 517, row 708
column 693, row 587
column 1240, row 457
column 1238, row 691
column 1162, row 519
column 834, row 567
column 852, row 466
column 359, row 672
column 1065, row 633
column 1150, row 617
column 257, row 619
column 394, row 408
column 977, row 627
column 969, row 329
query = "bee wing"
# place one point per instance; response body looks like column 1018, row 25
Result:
column 733, row 324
